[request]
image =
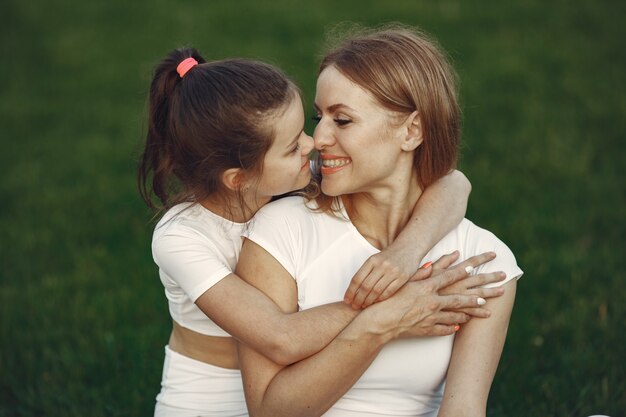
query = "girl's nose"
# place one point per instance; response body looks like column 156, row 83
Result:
column 306, row 144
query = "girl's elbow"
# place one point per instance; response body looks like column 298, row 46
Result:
column 462, row 181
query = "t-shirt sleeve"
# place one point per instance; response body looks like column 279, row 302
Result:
column 485, row 241
column 277, row 231
column 193, row 263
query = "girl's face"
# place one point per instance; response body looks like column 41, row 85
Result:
column 286, row 164
column 359, row 140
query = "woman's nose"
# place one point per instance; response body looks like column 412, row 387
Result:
column 322, row 136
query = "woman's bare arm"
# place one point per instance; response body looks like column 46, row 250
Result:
column 475, row 356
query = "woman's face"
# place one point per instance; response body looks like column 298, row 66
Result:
column 359, row 140
column 286, row 164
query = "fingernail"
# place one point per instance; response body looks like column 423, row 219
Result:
column 456, row 328
column 468, row 269
column 426, row 265
column 481, row 301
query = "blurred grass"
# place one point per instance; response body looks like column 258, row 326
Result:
column 82, row 317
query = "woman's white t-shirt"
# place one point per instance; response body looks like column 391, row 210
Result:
column 322, row 252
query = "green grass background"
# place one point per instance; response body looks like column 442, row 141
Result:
column 83, row 319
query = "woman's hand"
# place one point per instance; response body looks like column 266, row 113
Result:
column 418, row 309
column 473, row 283
column 379, row 278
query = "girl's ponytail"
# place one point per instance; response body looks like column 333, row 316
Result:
column 157, row 167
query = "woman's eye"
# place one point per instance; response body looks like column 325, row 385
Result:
column 338, row 121
column 296, row 148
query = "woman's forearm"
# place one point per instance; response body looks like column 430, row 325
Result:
column 312, row 386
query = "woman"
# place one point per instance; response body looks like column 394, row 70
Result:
column 224, row 137
column 388, row 128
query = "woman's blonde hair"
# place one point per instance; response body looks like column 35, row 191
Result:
column 405, row 71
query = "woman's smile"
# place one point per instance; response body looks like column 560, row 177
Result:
column 333, row 163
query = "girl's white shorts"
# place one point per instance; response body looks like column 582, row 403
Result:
column 191, row 388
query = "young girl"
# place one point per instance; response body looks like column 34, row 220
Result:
column 223, row 138
column 388, row 128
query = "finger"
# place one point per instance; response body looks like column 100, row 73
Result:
column 444, row 329
column 431, row 330
column 422, row 273
column 455, row 274
column 367, row 286
column 488, row 292
column 448, row 277
column 457, row 301
column 390, row 290
column 378, row 290
column 479, row 280
column 451, row 317
column 446, row 260
column 478, row 312
column 477, row 260
column 357, row 280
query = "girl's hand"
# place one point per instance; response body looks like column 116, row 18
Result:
column 378, row 279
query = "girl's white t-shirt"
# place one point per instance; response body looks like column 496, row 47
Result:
column 194, row 249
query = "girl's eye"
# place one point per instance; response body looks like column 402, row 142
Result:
column 296, row 148
column 316, row 119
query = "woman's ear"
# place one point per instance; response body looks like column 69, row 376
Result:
column 233, row 178
column 414, row 136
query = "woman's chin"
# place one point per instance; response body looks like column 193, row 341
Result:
column 329, row 190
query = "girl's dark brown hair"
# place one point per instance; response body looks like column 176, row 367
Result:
column 214, row 118
column 404, row 70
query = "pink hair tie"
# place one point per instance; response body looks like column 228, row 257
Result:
column 185, row 65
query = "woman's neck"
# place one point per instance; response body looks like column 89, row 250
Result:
column 381, row 214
